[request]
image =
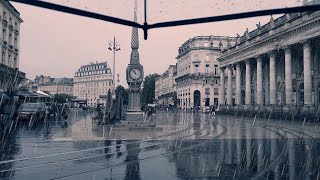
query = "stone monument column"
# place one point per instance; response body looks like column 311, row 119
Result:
column 238, row 84
column 307, row 76
column 259, row 82
column 134, row 76
column 248, row 83
column 229, row 93
column 288, row 76
column 273, row 99
column 222, row 93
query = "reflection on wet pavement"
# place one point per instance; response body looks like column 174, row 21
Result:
column 188, row 146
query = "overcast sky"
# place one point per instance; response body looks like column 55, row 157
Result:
column 57, row 44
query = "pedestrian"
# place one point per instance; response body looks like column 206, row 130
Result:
column 213, row 111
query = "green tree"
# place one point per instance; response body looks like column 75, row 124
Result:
column 147, row 96
column 124, row 93
column 62, row 98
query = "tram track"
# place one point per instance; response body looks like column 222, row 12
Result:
column 96, row 148
column 150, row 157
column 109, row 154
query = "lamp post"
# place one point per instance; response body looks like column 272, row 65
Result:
column 114, row 46
column 86, row 96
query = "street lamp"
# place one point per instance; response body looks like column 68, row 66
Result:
column 86, row 97
column 114, row 46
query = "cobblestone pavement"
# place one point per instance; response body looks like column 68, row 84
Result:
column 186, row 146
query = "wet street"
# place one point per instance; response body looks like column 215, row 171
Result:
column 185, row 146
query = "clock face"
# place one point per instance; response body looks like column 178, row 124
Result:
column 135, row 74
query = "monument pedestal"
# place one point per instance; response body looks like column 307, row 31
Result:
column 134, row 116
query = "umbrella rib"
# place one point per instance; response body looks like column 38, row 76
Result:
column 235, row 16
column 146, row 26
column 78, row 12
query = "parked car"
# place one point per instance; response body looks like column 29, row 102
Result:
column 28, row 111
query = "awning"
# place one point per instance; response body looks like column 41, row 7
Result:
column 26, row 94
column 44, row 94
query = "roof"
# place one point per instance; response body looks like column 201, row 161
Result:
column 14, row 9
column 63, row 80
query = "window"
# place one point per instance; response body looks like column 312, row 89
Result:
column 207, row 102
column 10, row 21
column 206, row 44
column 9, row 59
column 216, row 91
column 196, row 65
column 207, row 69
column 207, row 91
column 215, row 70
column 4, row 33
column 301, row 94
column 4, row 16
column 10, row 39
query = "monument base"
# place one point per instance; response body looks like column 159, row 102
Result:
column 134, row 116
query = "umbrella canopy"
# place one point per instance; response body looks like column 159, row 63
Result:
column 3, row 96
column 168, row 13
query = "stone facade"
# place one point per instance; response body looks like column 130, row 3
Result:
column 197, row 80
column 10, row 44
column 91, row 81
column 165, row 87
column 277, row 65
column 58, row 86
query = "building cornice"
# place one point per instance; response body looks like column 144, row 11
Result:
column 12, row 9
column 276, row 40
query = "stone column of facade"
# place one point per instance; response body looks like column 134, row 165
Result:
column 221, row 93
column 238, row 84
column 248, row 83
column 288, row 76
column 259, row 82
column 273, row 99
column 307, row 76
column 229, row 93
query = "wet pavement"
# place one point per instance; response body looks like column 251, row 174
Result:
column 188, row 146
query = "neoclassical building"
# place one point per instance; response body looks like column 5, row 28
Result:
column 10, row 21
column 165, row 87
column 276, row 65
column 198, row 80
column 91, row 82
column 58, row 86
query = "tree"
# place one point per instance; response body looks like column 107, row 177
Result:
column 62, row 98
column 124, row 93
column 147, row 96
